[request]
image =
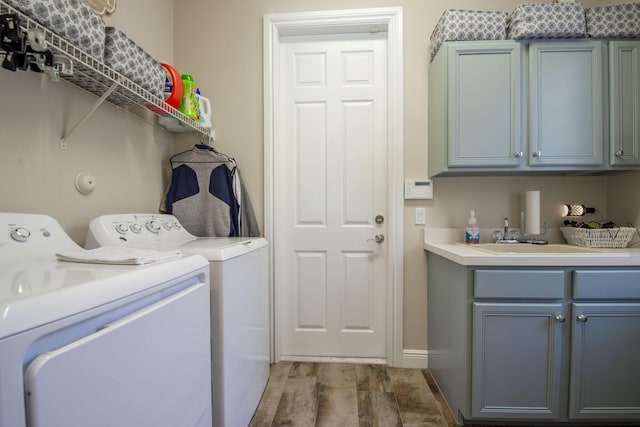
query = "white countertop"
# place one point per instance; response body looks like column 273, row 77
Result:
column 446, row 242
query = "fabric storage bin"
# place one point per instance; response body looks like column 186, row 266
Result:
column 547, row 21
column 73, row 20
column 614, row 21
column 462, row 25
column 127, row 58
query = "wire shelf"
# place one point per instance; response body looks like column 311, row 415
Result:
column 95, row 77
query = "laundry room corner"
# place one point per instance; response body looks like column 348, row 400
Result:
column 124, row 154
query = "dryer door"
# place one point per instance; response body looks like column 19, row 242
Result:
column 149, row 369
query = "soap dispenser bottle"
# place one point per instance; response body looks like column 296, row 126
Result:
column 472, row 232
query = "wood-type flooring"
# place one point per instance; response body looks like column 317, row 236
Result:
column 349, row 395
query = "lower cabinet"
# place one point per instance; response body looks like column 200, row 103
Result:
column 542, row 344
column 516, row 366
column 605, row 361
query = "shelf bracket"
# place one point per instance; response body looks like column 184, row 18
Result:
column 65, row 138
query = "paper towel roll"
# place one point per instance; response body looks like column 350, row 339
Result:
column 532, row 213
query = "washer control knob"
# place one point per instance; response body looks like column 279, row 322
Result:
column 153, row 226
column 177, row 225
column 136, row 228
column 122, row 228
column 168, row 225
column 20, row 234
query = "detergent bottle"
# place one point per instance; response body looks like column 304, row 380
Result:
column 189, row 106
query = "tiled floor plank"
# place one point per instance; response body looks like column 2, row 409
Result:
column 416, row 403
column 299, row 403
column 378, row 409
column 338, row 407
column 268, row 406
column 373, row 378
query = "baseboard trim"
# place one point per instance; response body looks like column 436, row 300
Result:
column 333, row 359
column 418, row 359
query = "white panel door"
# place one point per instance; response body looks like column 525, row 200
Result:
column 330, row 184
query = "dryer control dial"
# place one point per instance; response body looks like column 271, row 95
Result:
column 20, row 234
column 168, row 225
column 153, row 226
column 122, row 228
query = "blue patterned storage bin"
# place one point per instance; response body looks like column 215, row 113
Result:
column 614, row 21
column 73, row 20
column 547, row 21
column 127, row 58
column 460, row 25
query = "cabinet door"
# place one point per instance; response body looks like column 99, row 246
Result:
column 565, row 102
column 516, row 365
column 605, row 361
column 484, row 104
column 624, row 102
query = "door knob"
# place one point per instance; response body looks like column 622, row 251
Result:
column 378, row 238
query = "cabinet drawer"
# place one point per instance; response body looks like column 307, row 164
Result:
column 606, row 284
column 519, row 284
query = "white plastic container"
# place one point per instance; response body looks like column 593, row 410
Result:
column 205, row 111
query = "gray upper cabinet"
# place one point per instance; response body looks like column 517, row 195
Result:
column 624, row 102
column 475, row 106
column 507, row 107
column 565, row 103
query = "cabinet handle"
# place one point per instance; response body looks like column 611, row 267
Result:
column 619, row 153
column 583, row 318
column 518, row 154
column 560, row 318
column 537, row 153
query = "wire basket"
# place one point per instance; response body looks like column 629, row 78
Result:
column 598, row 238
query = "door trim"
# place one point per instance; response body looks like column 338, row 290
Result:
column 340, row 22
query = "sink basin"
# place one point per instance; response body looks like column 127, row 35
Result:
column 527, row 248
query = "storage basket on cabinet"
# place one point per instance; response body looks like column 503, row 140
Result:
column 598, row 238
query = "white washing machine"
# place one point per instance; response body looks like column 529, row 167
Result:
column 99, row 345
column 239, row 303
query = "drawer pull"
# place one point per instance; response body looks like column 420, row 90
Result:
column 583, row 318
column 560, row 318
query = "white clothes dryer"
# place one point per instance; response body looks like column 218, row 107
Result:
column 99, row 345
column 239, row 268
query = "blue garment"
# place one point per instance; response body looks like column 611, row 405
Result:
column 205, row 193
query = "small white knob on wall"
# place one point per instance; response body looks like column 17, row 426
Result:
column 85, row 183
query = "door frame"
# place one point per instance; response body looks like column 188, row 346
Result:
column 340, row 22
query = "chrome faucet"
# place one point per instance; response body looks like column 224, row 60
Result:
column 505, row 235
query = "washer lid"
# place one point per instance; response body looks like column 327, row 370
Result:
column 222, row 248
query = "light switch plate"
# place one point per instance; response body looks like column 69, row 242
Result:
column 420, row 216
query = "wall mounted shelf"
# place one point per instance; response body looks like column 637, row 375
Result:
column 74, row 66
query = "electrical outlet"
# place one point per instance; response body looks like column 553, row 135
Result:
column 420, row 216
